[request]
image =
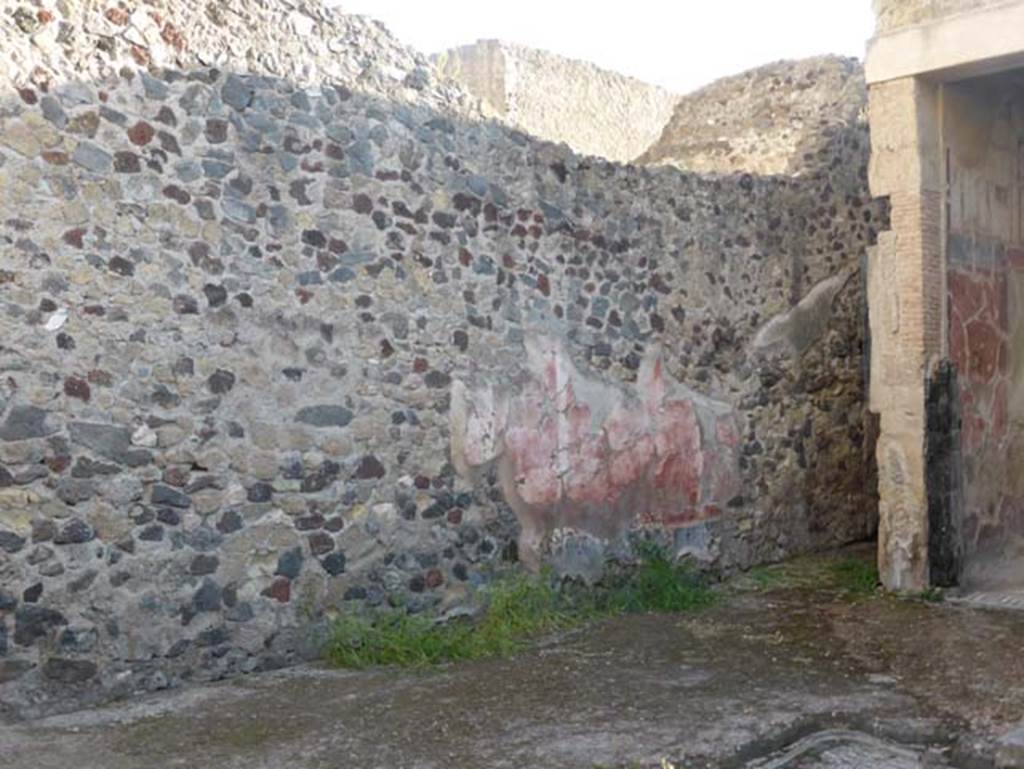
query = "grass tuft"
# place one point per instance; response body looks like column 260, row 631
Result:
column 660, row 584
column 393, row 638
column 764, row 577
column 518, row 608
column 932, row 595
column 854, row 575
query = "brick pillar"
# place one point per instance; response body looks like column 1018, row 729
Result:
column 906, row 290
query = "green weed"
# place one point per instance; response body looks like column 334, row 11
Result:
column 765, row 577
column 854, row 575
column 932, row 595
column 660, row 584
column 517, row 609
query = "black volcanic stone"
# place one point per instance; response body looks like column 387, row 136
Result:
column 207, row 597
column 230, row 522
column 369, row 468
column 25, row 422
column 221, row 382
column 152, row 533
column 203, row 565
column 11, row 542
column 214, row 636
column 437, row 379
column 289, row 563
column 320, row 479
column 32, row 622
column 215, row 295
column 334, row 564
column 309, row 522
column 109, row 441
column 69, row 671
column 121, row 266
column 320, row 543
column 167, row 495
column 32, row 593
column 314, row 238
column 185, row 305
column 324, row 415
column 260, row 492
column 74, row 532
column 168, row 516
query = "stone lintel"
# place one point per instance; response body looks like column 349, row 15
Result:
column 968, row 44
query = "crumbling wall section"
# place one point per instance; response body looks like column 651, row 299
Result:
column 789, row 117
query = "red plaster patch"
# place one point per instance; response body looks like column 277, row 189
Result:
column 677, row 520
column 973, row 428
column 631, row 464
column 588, row 479
column 728, row 435
column 677, row 444
column 533, row 448
column 984, row 345
column 599, row 457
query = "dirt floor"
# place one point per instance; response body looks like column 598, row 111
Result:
column 788, row 669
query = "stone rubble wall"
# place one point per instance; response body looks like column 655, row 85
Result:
column 268, row 346
column 594, row 111
column 56, row 41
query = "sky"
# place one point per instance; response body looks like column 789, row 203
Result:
column 677, row 44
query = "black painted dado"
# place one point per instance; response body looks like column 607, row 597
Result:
column 943, row 477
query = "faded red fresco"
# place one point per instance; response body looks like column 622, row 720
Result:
column 978, row 345
column 580, row 453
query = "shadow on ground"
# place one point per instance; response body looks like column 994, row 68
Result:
column 787, row 658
